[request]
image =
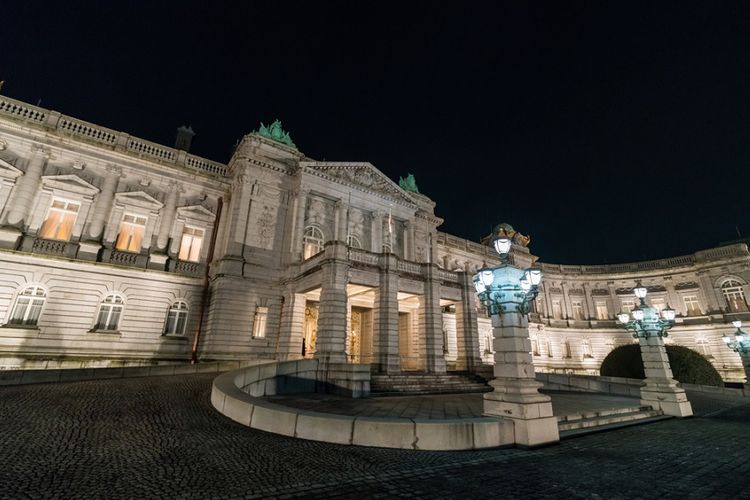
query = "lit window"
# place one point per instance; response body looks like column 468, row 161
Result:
column 312, row 242
column 577, row 306
column 586, row 348
column 353, row 241
column 735, row 297
column 28, row 306
column 177, row 319
column 556, row 309
column 703, row 347
column 602, row 312
column 110, row 312
column 259, row 322
column 692, row 306
column 60, row 220
column 130, row 237
column 628, row 305
column 192, row 240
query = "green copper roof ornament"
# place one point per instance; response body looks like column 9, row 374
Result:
column 276, row 133
column 408, row 184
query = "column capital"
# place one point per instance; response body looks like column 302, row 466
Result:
column 113, row 170
column 41, row 151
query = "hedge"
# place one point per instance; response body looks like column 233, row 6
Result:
column 688, row 366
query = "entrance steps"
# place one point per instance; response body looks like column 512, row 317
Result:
column 414, row 384
column 600, row 420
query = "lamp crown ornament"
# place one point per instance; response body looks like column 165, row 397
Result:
column 646, row 321
column 740, row 343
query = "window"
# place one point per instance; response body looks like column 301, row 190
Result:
column 577, row 307
column 28, row 306
column 60, row 220
column 556, row 309
column 703, row 347
column 658, row 303
column 259, row 322
column 110, row 311
column 735, row 297
column 190, row 247
column 602, row 312
column 130, row 237
column 534, row 347
column 692, row 306
column 566, row 349
column 548, row 347
column 586, row 348
column 353, row 241
column 177, row 319
column 312, row 242
column 628, row 305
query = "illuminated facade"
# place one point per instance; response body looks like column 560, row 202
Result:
column 106, row 240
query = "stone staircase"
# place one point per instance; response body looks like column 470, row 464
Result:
column 600, row 420
column 417, row 383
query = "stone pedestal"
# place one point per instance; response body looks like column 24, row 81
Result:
column 661, row 390
column 745, row 357
column 89, row 250
column 516, row 392
column 9, row 237
column 158, row 261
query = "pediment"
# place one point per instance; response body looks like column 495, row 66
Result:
column 139, row 199
column 197, row 212
column 360, row 175
column 8, row 171
column 69, row 183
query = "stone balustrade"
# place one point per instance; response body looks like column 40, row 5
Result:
column 119, row 141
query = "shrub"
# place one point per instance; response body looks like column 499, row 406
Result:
column 688, row 366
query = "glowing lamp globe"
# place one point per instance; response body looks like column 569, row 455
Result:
column 726, row 339
column 478, row 285
column 525, row 284
column 737, row 324
column 637, row 314
column 739, row 338
column 534, row 276
column 502, row 244
column 487, row 277
column 640, row 291
column 668, row 314
column 623, row 317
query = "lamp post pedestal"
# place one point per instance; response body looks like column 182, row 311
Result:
column 661, row 390
column 745, row 357
column 516, row 392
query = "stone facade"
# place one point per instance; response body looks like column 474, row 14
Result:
column 116, row 250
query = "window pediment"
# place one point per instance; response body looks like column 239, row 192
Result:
column 8, row 171
column 197, row 213
column 69, row 183
column 139, row 199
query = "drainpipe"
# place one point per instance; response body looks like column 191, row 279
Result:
column 204, row 299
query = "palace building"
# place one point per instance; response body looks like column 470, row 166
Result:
column 118, row 251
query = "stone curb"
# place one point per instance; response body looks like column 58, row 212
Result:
column 246, row 406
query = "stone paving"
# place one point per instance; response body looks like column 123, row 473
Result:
column 160, row 437
column 442, row 407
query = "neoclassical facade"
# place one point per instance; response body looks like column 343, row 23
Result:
column 117, row 251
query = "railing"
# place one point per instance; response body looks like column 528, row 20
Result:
column 364, row 257
column 69, row 126
column 448, row 276
column 49, row 247
column 124, row 258
column 409, row 267
column 189, row 268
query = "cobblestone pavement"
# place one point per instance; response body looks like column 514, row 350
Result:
column 160, row 437
column 443, row 406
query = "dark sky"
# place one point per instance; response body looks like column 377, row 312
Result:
column 608, row 131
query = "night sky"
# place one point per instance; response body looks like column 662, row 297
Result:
column 609, row 132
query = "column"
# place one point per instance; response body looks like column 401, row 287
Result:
column 331, row 343
column 412, row 241
column 166, row 216
column 299, row 226
column 467, row 329
column 342, row 221
column 385, row 318
column 376, row 231
column 292, row 327
column 588, row 302
column 103, row 204
column 516, row 392
column 567, row 308
column 431, row 323
column 661, row 390
column 26, row 188
column 614, row 301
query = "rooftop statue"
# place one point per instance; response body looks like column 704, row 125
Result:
column 276, row 133
column 408, row 184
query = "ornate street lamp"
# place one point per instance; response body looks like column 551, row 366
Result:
column 660, row 390
column 507, row 288
column 507, row 292
column 644, row 321
column 740, row 343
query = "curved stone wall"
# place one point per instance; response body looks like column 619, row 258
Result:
column 239, row 395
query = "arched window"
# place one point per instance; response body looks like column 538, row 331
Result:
column 353, row 241
column 735, row 297
column 177, row 319
column 312, row 242
column 110, row 311
column 28, row 306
